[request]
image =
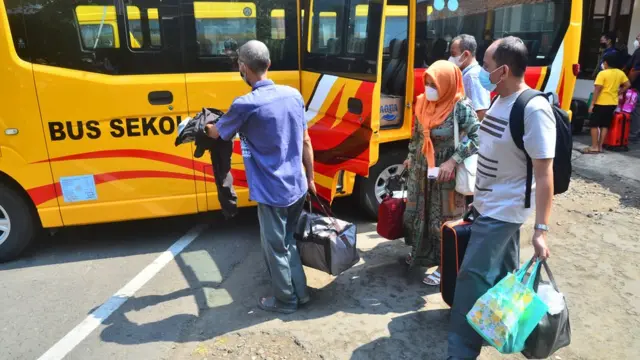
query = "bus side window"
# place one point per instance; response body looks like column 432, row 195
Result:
column 343, row 37
column 95, row 36
column 98, row 26
column 220, row 28
column 541, row 25
column 144, row 27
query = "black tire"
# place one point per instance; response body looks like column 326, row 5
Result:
column 21, row 220
column 580, row 112
column 366, row 188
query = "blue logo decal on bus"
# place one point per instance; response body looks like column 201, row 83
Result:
column 389, row 112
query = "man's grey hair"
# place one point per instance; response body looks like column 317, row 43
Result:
column 255, row 55
column 467, row 43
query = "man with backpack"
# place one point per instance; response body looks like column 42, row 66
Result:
column 515, row 172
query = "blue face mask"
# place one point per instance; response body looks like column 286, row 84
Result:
column 485, row 80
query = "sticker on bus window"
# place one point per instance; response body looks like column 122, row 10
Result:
column 78, row 188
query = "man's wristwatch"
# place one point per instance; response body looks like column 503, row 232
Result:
column 542, row 227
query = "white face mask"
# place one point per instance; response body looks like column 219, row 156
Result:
column 431, row 94
column 457, row 60
column 636, row 44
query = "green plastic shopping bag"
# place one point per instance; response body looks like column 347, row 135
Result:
column 506, row 315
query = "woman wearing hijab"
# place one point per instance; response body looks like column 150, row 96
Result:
column 432, row 202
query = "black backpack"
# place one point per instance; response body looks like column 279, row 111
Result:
column 564, row 141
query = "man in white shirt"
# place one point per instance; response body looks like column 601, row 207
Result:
column 494, row 247
column 463, row 54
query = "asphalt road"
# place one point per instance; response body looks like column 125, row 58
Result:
column 51, row 297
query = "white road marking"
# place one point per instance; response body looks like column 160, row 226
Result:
column 91, row 322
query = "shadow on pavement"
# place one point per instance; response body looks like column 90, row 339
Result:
column 419, row 335
column 104, row 241
column 363, row 289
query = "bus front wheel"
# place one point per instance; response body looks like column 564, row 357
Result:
column 17, row 223
column 383, row 177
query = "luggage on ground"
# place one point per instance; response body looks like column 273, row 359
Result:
column 454, row 240
column 554, row 330
column 390, row 213
column 326, row 243
column 618, row 136
column 506, row 315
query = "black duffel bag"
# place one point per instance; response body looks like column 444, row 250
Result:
column 326, row 243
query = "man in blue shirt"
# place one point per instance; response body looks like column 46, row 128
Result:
column 275, row 145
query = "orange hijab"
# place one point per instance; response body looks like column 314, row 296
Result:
column 447, row 79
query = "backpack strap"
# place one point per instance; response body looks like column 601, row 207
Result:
column 516, row 126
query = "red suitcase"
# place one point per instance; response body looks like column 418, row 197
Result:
column 618, row 136
column 390, row 215
column 454, row 241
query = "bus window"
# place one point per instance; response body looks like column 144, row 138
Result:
column 541, row 24
column 396, row 24
column 277, row 24
column 342, row 38
column 86, row 35
column 136, row 27
column 222, row 27
column 154, row 27
column 358, row 36
column 327, row 32
column 97, row 26
column 217, row 29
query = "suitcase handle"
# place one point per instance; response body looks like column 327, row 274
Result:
column 403, row 185
column 471, row 215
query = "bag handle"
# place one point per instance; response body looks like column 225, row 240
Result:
column 456, row 128
column 327, row 213
column 523, row 272
column 549, row 274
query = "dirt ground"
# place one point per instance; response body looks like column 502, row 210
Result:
column 377, row 310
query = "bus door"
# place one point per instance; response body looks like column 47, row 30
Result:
column 341, row 81
column 213, row 32
column 111, row 90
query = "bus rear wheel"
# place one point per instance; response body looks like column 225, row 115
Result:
column 17, row 223
column 383, row 176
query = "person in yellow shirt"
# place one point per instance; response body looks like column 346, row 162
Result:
column 609, row 84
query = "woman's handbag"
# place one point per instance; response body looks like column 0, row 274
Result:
column 466, row 170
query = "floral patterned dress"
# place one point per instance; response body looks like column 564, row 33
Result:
column 431, row 203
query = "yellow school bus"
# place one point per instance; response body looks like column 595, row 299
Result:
column 94, row 91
